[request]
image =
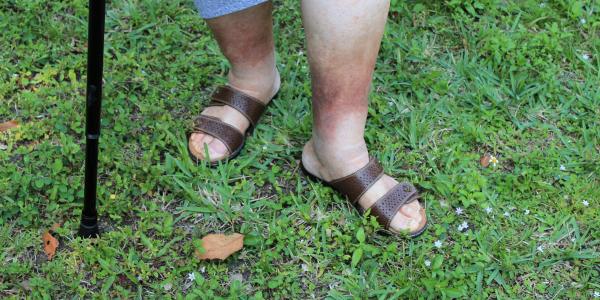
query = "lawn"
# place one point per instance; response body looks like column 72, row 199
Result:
column 455, row 80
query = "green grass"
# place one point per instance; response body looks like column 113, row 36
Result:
column 455, row 79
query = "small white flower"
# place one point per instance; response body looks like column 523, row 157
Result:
column 264, row 147
column 585, row 56
column 488, row 210
column 304, row 268
column 540, row 248
column 493, row 161
column 438, row 244
column 459, row 211
column 203, row 269
column 506, row 214
column 427, row 263
column 582, row 21
column 596, row 294
column 527, row 211
column 543, row 4
column 191, row 276
column 463, row 226
column 585, row 203
column 563, row 168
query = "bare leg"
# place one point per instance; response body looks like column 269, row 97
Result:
column 343, row 38
column 246, row 40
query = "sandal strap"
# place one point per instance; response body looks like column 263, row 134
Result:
column 229, row 135
column 357, row 183
column 247, row 105
column 387, row 206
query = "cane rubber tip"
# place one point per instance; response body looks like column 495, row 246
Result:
column 89, row 231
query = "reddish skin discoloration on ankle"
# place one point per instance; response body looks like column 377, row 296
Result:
column 343, row 39
column 245, row 37
column 339, row 94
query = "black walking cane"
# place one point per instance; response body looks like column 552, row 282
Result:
column 89, row 216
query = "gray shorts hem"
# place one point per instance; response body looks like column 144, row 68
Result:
column 215, row 8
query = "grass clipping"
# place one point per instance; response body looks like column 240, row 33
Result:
column 219, row 246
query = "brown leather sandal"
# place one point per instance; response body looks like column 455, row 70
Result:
column 233, row 139
column 355, row 185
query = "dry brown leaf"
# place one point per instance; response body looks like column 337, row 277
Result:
column 485, row 160
column 220, row 246
column 8, row 125
column 50, row 242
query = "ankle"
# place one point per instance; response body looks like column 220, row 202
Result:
column 260, row 84
column 340, row 158
column 260, row 81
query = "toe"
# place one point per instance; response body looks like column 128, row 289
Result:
column 216, row 149
column 411, row 210
column 411, row 217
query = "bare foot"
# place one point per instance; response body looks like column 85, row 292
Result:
column 330, row 162
column 263, row 87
